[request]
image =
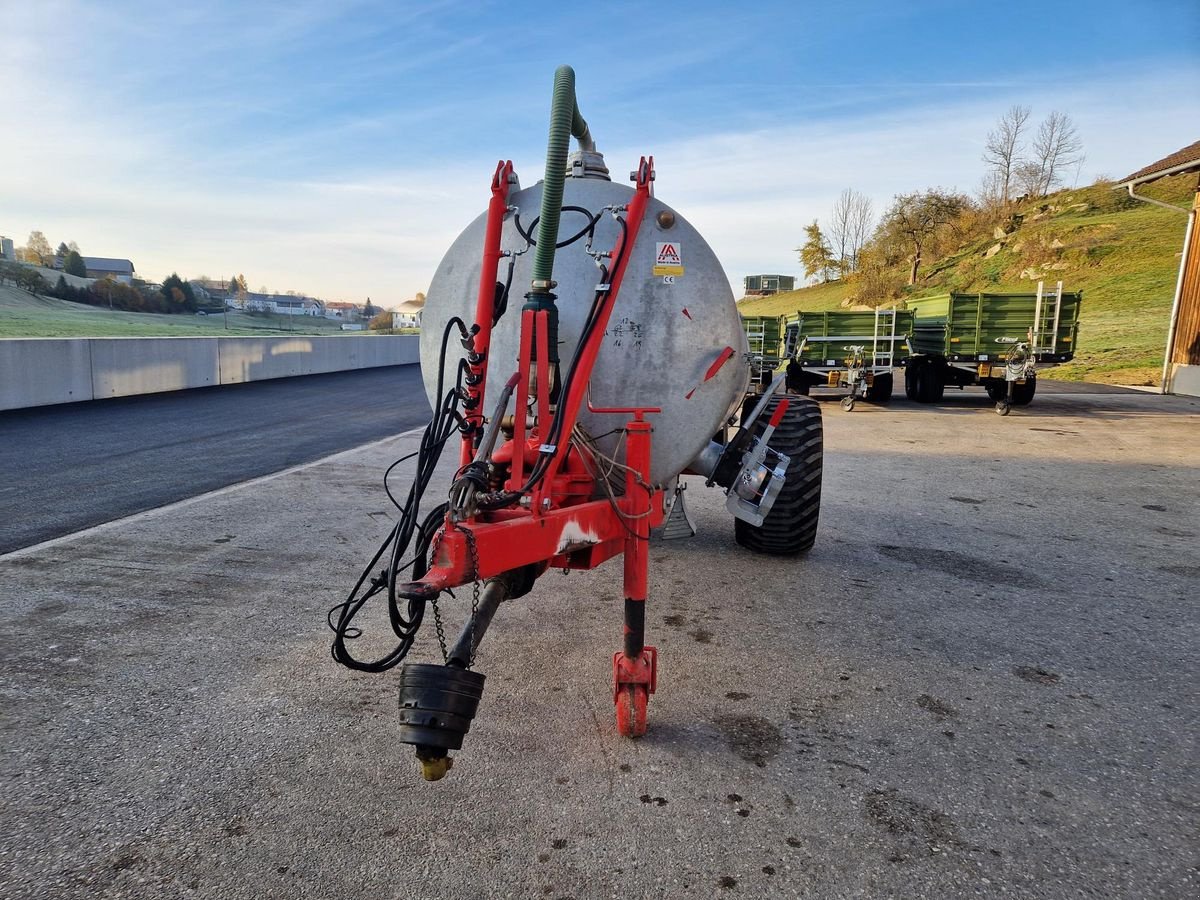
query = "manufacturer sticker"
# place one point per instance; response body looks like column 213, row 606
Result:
column 668, row 258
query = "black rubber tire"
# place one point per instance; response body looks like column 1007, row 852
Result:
column 1023, row 393
column 791, row 525
column 930, row 386
column 910, row 382
column 881, row 390
column 996, row 390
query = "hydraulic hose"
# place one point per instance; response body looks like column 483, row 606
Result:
column 565, row 123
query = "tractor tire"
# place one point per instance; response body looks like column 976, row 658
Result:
column 1023, row 393
column 791, row 525
column 881, row 390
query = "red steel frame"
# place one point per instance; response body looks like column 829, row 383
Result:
column 560, row 525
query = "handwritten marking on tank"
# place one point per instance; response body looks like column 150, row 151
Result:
column 668, row 258
column 626, row 333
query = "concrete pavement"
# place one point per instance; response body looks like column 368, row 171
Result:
column 981, row 682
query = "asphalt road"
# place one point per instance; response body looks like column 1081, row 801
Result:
column 981, row 682
column 69, row 467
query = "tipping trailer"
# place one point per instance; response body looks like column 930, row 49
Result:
column 764, row 338
column 855, row 351
column 999, row 341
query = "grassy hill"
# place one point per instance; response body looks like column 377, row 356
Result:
column 23, row 315
column 1123, row 254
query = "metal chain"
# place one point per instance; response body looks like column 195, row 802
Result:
column 437, row 613
column 475, row 588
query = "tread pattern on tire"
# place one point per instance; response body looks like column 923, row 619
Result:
column 791, row 526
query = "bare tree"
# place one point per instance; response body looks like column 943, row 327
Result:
column 838, row 230
column 862, row 223
column 990, row 194
column 849, row 228
column 914, row 219
column 1056, row 148
column 1002, row 152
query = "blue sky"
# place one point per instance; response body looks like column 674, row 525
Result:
column 338, row 148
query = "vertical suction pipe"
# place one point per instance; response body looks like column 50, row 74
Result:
column 565, row 123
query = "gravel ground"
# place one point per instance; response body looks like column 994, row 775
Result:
column 982, row 682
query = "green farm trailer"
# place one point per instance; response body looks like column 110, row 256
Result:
column 763, row 335
column 855, row 351
column 998, row 341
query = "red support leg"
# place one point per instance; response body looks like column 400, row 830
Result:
column 635, row 668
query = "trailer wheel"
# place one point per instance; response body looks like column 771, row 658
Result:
column 997, row 390
column 881, row 390
column 910, row 382
column 930, row 387
column 1023, row 393
column 791, row 525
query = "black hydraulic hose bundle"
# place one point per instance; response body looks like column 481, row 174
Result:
column 446, row 422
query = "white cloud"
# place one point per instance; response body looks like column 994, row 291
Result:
column 750, row 194
column 136, row 178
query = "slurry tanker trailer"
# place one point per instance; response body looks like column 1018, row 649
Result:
column 573, row 406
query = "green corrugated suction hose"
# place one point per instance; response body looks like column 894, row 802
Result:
column 565, row 122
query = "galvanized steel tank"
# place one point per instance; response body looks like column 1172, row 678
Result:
column 665, row 332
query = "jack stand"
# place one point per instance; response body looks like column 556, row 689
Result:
column 634, row 680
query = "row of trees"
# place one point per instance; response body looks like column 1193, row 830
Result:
column 920, row 226
column 907, row 230
column 850, row 226
column 37, row 252
column 174, row 296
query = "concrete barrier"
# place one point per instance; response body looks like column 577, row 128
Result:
column 45, row 371
column 252, row 359
column 125, row 366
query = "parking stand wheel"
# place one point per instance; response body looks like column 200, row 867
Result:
column 1002, row 407
column 848, row 403
column 631, row 704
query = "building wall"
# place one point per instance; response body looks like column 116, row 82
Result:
column 1187, row 326
column 116, row 276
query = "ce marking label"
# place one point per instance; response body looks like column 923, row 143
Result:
column 668, row 279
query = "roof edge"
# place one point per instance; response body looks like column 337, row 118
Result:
column 1180, row 169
